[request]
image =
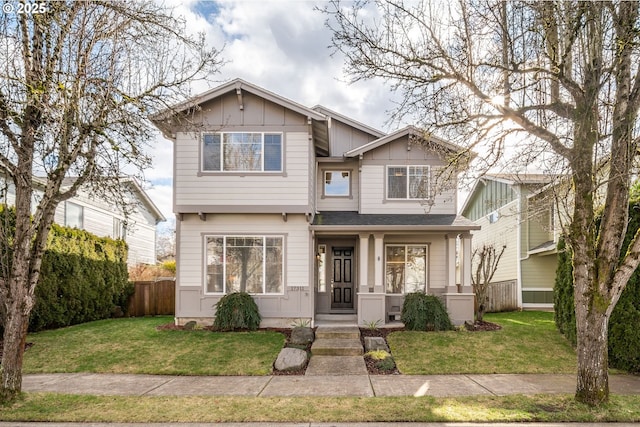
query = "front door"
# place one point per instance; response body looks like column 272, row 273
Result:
column 342, row 278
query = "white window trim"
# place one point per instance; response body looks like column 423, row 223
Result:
column 222, row 171
column 406, row 167
column 224, row 268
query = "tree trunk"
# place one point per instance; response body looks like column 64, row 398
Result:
column 593, row 380
column 15, row 336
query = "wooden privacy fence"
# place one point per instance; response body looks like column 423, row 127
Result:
column 152, row 298
column 503, row 296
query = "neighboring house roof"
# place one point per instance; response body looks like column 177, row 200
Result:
column 511, row 179
column 549, row 246
column 406, row 131
column 347, row 220
column 135, row 186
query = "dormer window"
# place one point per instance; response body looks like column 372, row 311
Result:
column 408, row 182
column 242, row 152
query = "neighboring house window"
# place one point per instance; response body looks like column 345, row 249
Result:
column 408, row 182
column 252, row 264
column 73, row 215
column 337, row 183
column 242, row 152
column 119, row 229
column 406, row 268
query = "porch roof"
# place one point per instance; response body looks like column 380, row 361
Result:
column 354, row 221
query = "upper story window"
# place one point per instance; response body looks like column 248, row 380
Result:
column 408, row 182
column 242, row 152
column 119, row 229
column 337, row 183
column 73, row 215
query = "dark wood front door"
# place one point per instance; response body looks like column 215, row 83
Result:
column 342, row 278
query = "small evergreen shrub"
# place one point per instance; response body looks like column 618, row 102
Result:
column 386, row 364
column 235, row 311
column 422, row 312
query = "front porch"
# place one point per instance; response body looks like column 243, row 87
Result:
column 366, row 270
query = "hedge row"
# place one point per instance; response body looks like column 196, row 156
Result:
column 83, row 278
column 624, row 325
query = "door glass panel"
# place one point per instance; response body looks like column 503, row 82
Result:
column 322, row 269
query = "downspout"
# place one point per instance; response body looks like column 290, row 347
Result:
column 519, row 246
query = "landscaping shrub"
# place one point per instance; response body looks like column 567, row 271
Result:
column 82, row 277
column 624, row 333
column 422, row 312
column 235, row 311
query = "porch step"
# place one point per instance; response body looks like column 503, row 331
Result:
column 337, row 341
column 338, row 332
column 336, row 320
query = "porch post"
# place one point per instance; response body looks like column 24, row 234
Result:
column 465, row 272
column 378, row 268
column 450, row 239
column 364, row 263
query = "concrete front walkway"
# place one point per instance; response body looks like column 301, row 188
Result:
column 319, row 385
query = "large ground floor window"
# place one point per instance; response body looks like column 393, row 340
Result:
column 252, row 264
column 406, row 268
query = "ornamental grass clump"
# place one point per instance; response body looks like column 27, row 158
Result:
column 382, row 360
column 422, row 312
column 236, row 311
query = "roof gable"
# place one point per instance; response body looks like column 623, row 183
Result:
column 492, row 191
column 237, row 86
column 409, row 131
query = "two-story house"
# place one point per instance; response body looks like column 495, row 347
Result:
column 309, row 211
column 87, row 212
column 518, row 212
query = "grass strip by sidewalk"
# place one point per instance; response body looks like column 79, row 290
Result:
column 135, row 346
column 540, row 408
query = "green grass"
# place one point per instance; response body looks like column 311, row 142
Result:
column 528, row 343
column 541, row 408
column 134, row 346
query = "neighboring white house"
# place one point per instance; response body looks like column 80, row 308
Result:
column 86, row 212
column 309, row 211
column 517, row 211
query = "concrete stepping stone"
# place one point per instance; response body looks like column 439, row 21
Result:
column 336, row 366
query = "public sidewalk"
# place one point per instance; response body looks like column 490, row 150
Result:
column 329, row 386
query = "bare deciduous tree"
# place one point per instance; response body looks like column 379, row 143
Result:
column 487, row 259
column 563, row 74
column 77, row 81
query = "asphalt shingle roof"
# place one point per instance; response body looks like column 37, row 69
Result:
column 348, row 218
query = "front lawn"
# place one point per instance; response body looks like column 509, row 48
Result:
column 135, row 346
column 528, row 343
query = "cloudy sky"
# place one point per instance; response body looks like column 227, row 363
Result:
column 282, row 46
